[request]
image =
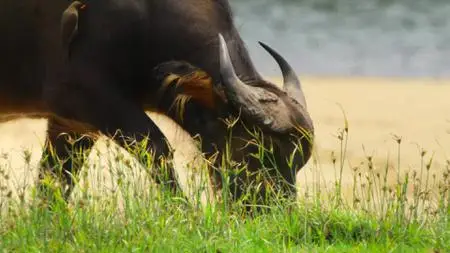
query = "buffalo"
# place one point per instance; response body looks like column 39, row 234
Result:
column 96, row 66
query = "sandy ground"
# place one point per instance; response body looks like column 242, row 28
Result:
column 376, row 109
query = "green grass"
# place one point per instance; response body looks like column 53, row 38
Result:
column 171, row 227
column 378, row 218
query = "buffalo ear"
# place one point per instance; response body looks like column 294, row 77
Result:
column 69, row 23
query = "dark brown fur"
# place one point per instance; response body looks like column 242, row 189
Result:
column 103, row 77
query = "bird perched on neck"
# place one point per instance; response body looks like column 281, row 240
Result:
column 69, row 23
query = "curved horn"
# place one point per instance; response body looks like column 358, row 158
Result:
column 228, row 75
column 263, row 107
column 244, row 96
column 234, row 87
column 291, row 82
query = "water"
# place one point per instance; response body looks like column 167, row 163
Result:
column 408, row 38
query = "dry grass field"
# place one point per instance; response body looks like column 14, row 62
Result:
column 376, row 109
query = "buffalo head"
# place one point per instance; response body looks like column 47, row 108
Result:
column 257, row 125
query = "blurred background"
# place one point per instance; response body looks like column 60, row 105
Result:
column 389, row 38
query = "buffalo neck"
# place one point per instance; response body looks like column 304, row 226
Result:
column 239, row 54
